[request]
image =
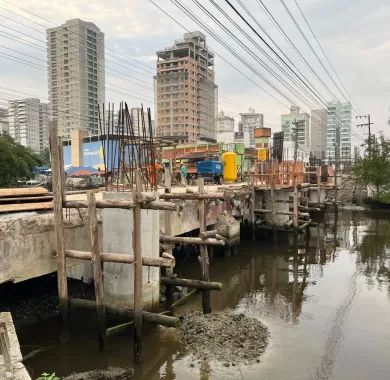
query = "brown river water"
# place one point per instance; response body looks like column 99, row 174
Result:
column 325, row 301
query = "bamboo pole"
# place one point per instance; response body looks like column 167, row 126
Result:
column 97, row 268
column 169, row 247
column 204, row 259
column 120, row 258
column 121, row 312
column 59, row 221
column 191, row 240
column 192, row 196
column 189, row 283
column 137, row 336
column 128, row 205
column 319, row 186
column 295, row 190
column 273, row 203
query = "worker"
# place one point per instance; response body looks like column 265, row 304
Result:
column 183, row 174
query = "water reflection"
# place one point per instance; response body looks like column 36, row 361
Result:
column 315, row 294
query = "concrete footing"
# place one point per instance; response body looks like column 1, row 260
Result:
column 118, row 238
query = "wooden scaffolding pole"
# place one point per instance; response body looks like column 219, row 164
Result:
column 58, row 190
column 97, row 268
column 137, row 336
column 204, row 257
column 169, row 246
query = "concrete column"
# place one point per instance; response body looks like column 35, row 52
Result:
column 118, row 238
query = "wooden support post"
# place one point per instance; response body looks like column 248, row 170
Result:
column 253, row 220
column 336, row 172
column 169, row 247
column 4, row 349
column 58, row 186
column 319, row 186
column 137, row 336
column 273, row 203
column 97, row 268
column 204, row 258
column 295, row 197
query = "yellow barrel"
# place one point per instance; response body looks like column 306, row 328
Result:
column 229, row 166
column 262, row 154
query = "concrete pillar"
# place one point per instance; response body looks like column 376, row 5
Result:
column 281, row 194
column 76, row 137
column 118, row 238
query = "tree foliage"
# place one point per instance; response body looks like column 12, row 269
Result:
column 373, row 170
column 16, row 162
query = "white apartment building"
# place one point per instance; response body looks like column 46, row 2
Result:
column 319, row 120
column 249, row 122
column 288, row 126
column 4, row 124
column 338, row 135
column 43, row 126
column 76, row 69
column 28, row 123
column 225, row 128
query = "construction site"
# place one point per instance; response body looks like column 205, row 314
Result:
column 132, row 240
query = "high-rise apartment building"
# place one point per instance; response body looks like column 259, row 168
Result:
column 225, row 123
column 225, row 128
column 250, row 121
column 185, row 92
column 338, row 135
column 4, row 124
column 319, row 120
column 28, row 123
column 43, row 126
column 76, row 75
column 303, row 126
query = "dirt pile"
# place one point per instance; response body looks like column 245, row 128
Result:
column 230, row 338
column 111, row 373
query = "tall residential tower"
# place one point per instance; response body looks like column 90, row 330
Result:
column 28, row 123
column 76, row 67
column 303, row 125
column 185, row 92
column 338, row 137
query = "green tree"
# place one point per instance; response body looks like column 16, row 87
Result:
column 44, row 156
column 373, row 170
column 16, row 162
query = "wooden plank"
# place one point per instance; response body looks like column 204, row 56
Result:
column 121, row 258
column 97, row 269
column 59, row 221
column 19, row 207
column 24, row 199
column 23, row 191
column 137, row 338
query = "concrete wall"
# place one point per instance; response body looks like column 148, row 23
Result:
column 28, row 246
column 118, row 238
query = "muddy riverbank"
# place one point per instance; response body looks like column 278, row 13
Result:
column 232, row 339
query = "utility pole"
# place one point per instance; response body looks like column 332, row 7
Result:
column 368, row 124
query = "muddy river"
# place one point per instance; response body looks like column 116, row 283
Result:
column 325, row 301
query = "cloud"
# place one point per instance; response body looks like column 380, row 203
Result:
column 353, row 33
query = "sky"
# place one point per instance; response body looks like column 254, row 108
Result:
column 353, row 33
